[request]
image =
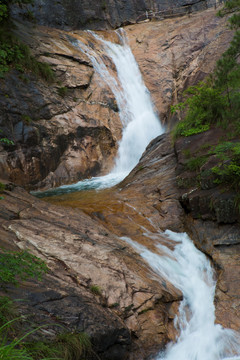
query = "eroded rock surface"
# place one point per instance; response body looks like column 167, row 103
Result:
column 148, row 201
column 69, row 130
column 107, row 14
column 64, row 131
column 212, row 218
column 91, row 248
column 174, row 54
column 131, row 310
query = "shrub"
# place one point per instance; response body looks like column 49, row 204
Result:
column 204, row 106
column 13, row 53
column 196, row 162
column 228, row 171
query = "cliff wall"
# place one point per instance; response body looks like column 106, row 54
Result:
column 69, row 129
column 107, row 14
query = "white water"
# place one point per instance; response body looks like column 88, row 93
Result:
column 136, row 111
column 186, row 267
column 140, row 122
column 190, row 271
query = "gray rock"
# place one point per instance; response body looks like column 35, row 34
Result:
column 105, row 14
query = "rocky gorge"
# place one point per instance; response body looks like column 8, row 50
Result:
column 70, row 130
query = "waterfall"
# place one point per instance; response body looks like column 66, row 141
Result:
column 136, row 111
column 189, row 270
column 200, row 338
column 140, row 122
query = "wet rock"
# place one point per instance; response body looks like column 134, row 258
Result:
column 46, row 121
column 212, row 219
column 63, row 131
column 81, row 254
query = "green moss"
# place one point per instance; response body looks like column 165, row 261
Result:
column 114, row 305
column 128, row 308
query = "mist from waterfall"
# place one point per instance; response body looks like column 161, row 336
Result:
column 190, row 271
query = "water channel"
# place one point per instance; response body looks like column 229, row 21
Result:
column 170, row 255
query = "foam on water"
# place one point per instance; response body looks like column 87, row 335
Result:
column 190, row 271
column 136, row 111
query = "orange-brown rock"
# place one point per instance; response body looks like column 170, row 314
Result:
column 63, row 131
column 130, row 308
column 69, row 130
column 176, row 53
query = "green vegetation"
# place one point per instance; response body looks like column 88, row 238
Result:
column 74, row 346
column 19, row 265
column 15, row 54
column 96, row 290
column 68, row 346
column 16, row 266
column 216, row 103
column 11, row 350
column 14, row 345
column 5, row 8
column 205, row 106
column 62, row 91
column 5, row 140
column 26, row 119
column 228, row 171
column 195, row 163
column 7, row 313
column 2, row 187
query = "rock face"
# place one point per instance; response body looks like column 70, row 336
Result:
column 131, row 310
column 105, row 14
column 69, row 130
column 64, row 131
column 212, row 218
column 148, row 200
column 176, row 53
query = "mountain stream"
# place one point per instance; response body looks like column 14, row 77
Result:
column 170, row 255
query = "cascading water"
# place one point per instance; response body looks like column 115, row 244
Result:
column 136, row 111
column 140, row 123
column 190, row 271
column 185, row 267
